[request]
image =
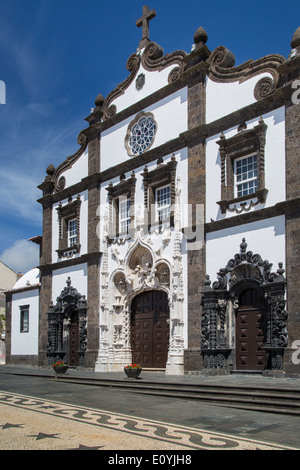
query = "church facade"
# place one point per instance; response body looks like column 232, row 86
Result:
column 171, row 237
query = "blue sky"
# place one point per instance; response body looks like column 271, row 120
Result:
column 56, row 56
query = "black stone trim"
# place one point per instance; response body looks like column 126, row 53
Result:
column 71, row 262
column 280, row 208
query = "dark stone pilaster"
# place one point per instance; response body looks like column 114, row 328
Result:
column 196, row 195
column 292, row 232
column 8, row 328
column 93, row 290
column 46, row 283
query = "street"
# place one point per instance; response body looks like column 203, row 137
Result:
column 40, row 413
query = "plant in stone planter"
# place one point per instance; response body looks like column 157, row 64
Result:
column 60, row 367
column 133, row 370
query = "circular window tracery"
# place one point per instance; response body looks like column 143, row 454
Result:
column 141, row 133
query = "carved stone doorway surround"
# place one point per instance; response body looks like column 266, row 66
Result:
column 67, row 327
column 245, row 271
column 140, row 267
column 141, row 271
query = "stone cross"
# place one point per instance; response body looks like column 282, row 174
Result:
column 144, row 22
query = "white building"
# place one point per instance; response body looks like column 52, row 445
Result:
column 187, row 169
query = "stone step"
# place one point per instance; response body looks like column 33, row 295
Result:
column 279, row 400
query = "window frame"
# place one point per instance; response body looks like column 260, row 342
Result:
column 244, row 143
column 24, row 309
column 127, row 218
column 72, row 237
column 163, row 175
column 245, row 180
column 125, row 189
column 67, row 213
column 164, row 207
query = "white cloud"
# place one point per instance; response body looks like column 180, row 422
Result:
column 21, row 256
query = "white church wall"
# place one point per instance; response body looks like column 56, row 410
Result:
column 78, row 276
column 83, row 228
column 265, row 237
column 171, row 117
column 225, row 98
column 78, row 170
column 274, row 165
column 25, row 343
column 154, row 81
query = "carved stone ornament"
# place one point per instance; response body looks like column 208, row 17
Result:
column 140, row 81
column 221, row 69
column 245, row 270
column 70, row 302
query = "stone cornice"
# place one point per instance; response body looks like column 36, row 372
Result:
column 70, row 262
column 281, row 208
column 22, row 289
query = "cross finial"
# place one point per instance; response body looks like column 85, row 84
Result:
column 144, row 22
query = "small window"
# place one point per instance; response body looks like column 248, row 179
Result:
column 72, row 229
column 24, row 319
column 246, row 175
column 124, row 215
column 163, row 203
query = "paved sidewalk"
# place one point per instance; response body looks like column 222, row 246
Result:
column 51, row 414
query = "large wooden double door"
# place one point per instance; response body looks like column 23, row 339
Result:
column 150, row 329
column 250, row 331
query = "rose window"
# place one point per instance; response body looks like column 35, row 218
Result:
column 141, row 134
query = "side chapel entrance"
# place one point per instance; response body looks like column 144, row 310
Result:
column 244, row 321
column 67, row 327
column 150, row 329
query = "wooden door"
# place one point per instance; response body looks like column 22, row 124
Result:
column 250, row 331
column 150, row 329
column 74, row 341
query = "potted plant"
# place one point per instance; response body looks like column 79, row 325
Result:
column 133, row 371
column 60, row 367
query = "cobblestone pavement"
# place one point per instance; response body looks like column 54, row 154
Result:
column 39, row 412
column 30, row 423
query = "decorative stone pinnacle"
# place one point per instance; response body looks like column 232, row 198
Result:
column 207, row 281
column 243, row 246
column 295, row 42
column 200, row 36
column 280, row 270
column 50, row 170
